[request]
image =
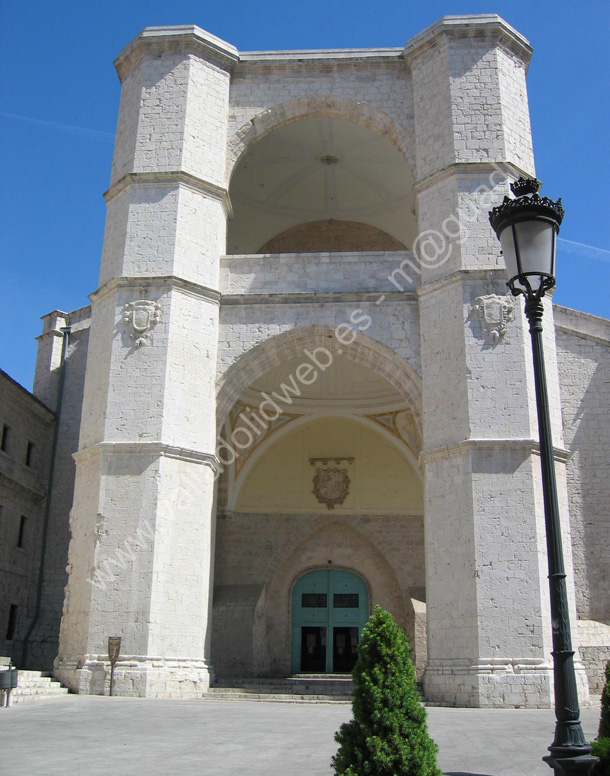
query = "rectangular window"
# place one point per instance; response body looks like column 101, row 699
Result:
column 12, row 622
column 28, row 454
column 4, row 440
column 21, row 539
column 313, row 600
column 346, row 601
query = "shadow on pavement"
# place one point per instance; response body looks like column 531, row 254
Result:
column 464, row 773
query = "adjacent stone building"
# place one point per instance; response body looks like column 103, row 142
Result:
column 305, row 389
column 26, row 439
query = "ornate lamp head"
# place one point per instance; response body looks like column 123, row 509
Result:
column 527, row 228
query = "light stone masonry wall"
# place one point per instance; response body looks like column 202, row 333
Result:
column 243, row 325
column 160, row 230
column 255, row 550
column 584, row 365
column 309, row 273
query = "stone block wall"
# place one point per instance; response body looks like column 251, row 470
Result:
column 583, row 353
column 259, row 557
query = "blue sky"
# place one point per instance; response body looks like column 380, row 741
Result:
column 60, row 97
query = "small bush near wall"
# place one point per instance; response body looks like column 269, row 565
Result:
column 388, row 735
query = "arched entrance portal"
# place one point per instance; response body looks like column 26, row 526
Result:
column 329, row 610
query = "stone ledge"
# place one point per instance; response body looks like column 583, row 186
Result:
column 470, row 445
column 461, row 276
column 315, row 297
column 172, row 281
column 156, row 449
column 167, row 178
column 473, row 169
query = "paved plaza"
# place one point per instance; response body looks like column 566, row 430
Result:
column 90, row 735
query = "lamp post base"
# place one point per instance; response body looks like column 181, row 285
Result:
column 580, row 765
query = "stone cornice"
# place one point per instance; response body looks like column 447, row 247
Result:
column 156, row 449
column 468, row 446
column 166, row 178
column 173, row 281
column 475, row 169
column 459, row 276
column 581, row 324
column 312, row 56
column 469, row 26
column 185, row 36
column 315, row 297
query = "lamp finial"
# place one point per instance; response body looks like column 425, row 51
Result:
column 525, row 186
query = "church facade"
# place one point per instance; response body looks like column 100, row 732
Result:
column 301, row 388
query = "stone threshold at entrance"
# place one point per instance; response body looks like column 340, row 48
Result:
column 312, row 688
column 298, row 688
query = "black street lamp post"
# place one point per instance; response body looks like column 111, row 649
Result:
column 527, row 228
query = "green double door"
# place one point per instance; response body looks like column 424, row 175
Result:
column 329, row 610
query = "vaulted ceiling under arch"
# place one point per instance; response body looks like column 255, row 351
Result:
column 316, row 169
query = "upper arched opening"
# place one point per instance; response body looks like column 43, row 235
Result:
column 321, row 184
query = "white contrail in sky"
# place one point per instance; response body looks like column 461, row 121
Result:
column 590, row 251
column 92, row 133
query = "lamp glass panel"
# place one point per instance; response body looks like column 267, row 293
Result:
column 535, row 244
column 508, row 251
column 534, row 250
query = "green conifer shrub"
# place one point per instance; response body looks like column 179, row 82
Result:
column 388, row 735
column 601, row 746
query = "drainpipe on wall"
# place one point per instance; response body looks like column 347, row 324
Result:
column 47, row 511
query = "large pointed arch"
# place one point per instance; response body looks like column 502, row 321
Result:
column 291, row 344
column 313, row 106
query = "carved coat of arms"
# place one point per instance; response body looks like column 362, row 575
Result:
column 331, row 486
column 141, row 315
column 494, row 312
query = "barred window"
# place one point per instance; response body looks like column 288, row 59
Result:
column 314, row 600
column 346, row 600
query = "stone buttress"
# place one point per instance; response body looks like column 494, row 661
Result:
column 142, row 522
column 488, row 620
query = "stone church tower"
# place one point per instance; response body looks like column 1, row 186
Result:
column 307, row 390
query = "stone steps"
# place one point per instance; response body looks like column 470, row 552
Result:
column 34, row 686
column 299, row 688
column 237, row 694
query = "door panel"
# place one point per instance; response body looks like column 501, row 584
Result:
column 329, row 610
column 345, row 649
column 313, row 650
